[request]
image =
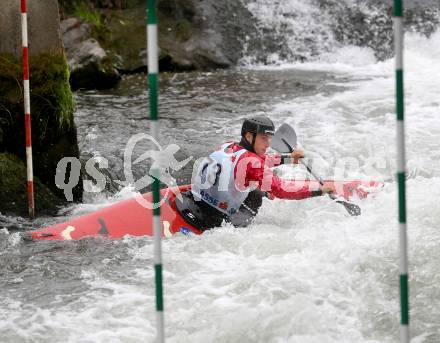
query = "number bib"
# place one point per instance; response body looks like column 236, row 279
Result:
column 214, row 181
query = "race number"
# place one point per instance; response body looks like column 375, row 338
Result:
column 211, row 172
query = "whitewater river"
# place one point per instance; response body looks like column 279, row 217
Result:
column 304, row 271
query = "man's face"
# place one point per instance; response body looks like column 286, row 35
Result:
column 262, row 142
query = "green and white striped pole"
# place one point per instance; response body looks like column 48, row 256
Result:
column 153, row 74
column 403, row 245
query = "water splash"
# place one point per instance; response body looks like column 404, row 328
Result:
column 295, row 30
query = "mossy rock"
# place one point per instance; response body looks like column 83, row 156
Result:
column 127, row 38
column 95, row 76
column 168, row 62
column 13, row 197
column 53, row 128
column 184, row 30
column 51, row 97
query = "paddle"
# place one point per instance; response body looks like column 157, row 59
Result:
column 284, row 141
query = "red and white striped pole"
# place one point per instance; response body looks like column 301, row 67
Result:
column 27, row 111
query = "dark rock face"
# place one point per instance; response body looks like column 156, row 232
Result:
column 13, row 197
column 305, row 32
column 371, row 25
column 126, row 40
column 203, row 34
column 366, row 27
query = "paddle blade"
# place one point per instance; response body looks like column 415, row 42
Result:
column 284, row 139
column 352, row 209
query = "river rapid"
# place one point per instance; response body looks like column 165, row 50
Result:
column 304, row 271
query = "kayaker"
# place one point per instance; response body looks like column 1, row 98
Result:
column 230, row 184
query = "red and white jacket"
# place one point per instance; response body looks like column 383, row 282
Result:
column 229, row 174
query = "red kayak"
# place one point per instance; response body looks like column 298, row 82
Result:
column 130, row 218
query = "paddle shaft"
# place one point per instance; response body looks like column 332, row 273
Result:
column 287, row 139
column 309, row 169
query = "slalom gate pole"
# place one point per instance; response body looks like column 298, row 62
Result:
column 153, row 74
column 27, row 110
column 403, row 244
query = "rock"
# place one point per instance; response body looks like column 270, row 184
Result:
column 202, row 52
column 127, row 41
column 191, row 36
column 225, row 27
column 74, row 32
column 90, row 66
column 371, row 25
column 13, row 197
column 88, row 51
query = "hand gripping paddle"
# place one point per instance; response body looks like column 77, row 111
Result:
column 284, row 141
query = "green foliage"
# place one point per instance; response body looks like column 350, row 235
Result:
column 87, row 12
